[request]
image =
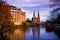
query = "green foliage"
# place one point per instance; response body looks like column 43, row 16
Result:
column 25, row 26
column 11, row 24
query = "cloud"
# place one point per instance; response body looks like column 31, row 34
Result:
column 43, row 18
column 44, row 13
column 29, row 13
column 27, row 0
column 29, row 5
column 22, row 1
column 44, row 1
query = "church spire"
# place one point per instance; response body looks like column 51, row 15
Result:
column 38, row 14
column 34, row 13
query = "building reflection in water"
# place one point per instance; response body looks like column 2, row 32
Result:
column 18, row 34
column 36, row 32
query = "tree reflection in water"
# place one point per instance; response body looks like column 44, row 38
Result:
column 3, row 37
column 19, row 34
column 57, row 32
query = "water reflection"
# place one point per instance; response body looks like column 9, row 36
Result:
column 17, row 34
column 3, row 37
column 33, row 33
column 44, row 35
column 57, row 32
column 36, row 33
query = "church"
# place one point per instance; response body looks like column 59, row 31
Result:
column 36, row 20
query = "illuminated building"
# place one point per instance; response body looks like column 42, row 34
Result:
column 18, row 15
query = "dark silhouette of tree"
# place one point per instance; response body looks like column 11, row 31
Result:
column 55, row 12
column 54, row 3
column 28, row 20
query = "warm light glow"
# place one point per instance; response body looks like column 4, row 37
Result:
column 19, row 33
column 16, row 23
column 12, row 20
column 13, row 10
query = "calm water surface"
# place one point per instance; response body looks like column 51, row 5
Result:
column 43, row 35
column 31, row 34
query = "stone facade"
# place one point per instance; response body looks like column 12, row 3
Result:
column 18, row 15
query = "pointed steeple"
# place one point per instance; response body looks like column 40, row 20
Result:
column 34, row 13
column 38, row 14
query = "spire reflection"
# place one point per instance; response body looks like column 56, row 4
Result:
column 36, row 32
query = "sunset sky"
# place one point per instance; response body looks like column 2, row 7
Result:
column 29, row 5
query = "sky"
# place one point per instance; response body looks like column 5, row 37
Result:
column 29, row 6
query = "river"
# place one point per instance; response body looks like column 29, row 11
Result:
column 33, row 33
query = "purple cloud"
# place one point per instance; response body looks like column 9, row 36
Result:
column 29, row 5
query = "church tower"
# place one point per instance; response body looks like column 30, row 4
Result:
column 38, row 19
column 38, row 14
column 34, row 14
column 33, row 19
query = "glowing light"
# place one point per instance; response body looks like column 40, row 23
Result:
column 16, row 23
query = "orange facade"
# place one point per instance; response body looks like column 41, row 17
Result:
column 18, row 16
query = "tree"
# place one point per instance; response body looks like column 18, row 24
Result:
column 5, row 15
column 55, row 12
column 54, row 3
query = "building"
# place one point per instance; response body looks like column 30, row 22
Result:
column 36, row 20
column 18, row 15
